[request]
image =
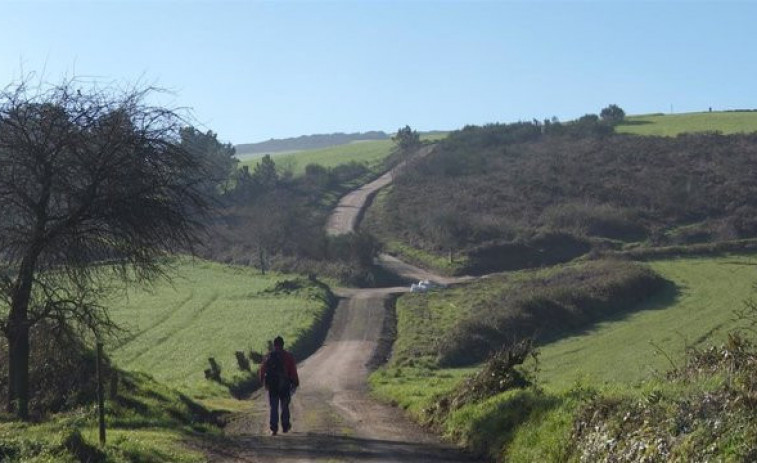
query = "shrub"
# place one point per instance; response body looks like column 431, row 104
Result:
column 62, row 374
column 500, row 373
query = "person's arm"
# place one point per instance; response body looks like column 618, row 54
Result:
column 261, row 371
column 291, row 367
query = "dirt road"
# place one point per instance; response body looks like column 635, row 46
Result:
column 334, row 419
column 348, row 212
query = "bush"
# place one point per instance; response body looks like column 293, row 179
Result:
column 62, row 371
column 603, row 220
column 539, row 251
column 499, row 373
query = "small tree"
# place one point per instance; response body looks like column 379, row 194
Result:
column 265, row 174
column 612, row 114
column 88, row 176
column 218, row 158
column 407, row 138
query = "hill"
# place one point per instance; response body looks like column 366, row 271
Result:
column 368, row 153
column 726, row 122
column 306, row 142
column 214, row 310
column 600, row 380
column 527, row 195
column 158, row 397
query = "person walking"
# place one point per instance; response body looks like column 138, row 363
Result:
column 278, row 373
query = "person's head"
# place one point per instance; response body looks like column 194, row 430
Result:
column 278, row 342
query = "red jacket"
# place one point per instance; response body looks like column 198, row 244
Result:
column 290, row 367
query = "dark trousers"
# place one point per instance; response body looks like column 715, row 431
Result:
column 274, row 399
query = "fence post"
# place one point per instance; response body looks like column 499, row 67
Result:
column 100, row 393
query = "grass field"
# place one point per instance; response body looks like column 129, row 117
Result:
column 631, row 350
column 673, row 124
column 149, row 422
column 614, row 357
column 209, row 310
column 370, row 153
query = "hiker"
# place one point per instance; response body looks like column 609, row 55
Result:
column 278, row 373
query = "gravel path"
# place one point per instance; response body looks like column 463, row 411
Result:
column 333, row 417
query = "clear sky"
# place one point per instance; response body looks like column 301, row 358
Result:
column 253, row 70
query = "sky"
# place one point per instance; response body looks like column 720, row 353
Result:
column 253, row 70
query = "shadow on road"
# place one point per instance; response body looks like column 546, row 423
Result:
column 309, row 446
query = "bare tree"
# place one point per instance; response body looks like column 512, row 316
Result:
column 94, row 188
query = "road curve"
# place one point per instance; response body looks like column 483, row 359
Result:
column 334, row 418
column 344, row 219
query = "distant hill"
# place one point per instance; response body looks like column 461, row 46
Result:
column 670, row 125
column 308, row 142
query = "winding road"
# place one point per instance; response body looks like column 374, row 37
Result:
column 334, row 418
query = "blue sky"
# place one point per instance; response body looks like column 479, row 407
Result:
column 252, row 70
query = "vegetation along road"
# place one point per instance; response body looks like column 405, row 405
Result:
column 334, row 419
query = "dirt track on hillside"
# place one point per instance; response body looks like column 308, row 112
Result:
column 333, row 417
column 348, row 212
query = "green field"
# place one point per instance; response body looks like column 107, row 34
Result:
column 618, row 358
column 370, row 153
column 631, row 350
column 208, row 310
column 673, row 124
column 149, row 422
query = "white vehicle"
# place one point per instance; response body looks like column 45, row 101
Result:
column 424, row 286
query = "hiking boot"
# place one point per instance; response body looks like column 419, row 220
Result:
column 274, row 432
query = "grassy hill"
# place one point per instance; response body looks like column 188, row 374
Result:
column 163, row 398
column 615, row 361
column 211, row 310
column 306, row 142
column 370, row 153
column 670, row 125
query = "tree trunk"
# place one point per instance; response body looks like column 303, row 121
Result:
column 9, row 407
column 18, row 342
column 18, row 369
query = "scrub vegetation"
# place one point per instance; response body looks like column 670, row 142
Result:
column 534, row 194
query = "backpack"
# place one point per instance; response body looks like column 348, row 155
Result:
column 276, row 378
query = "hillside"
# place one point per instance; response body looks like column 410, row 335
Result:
column 611, row 374
column 158, row 397
column 306, row 142
column 527, row 195
column 214, row 310
column 370, row 153
column 670, row 125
